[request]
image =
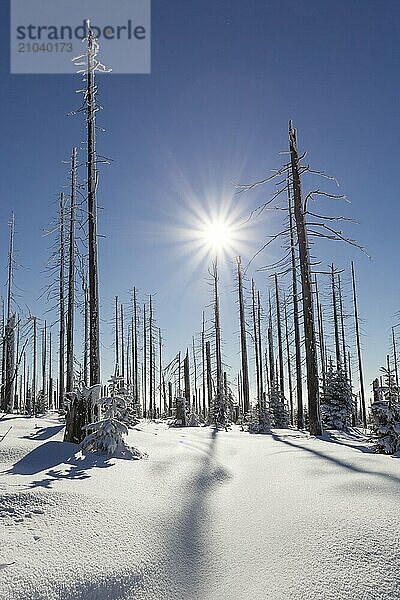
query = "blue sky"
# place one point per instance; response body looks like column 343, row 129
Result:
column 226, row 77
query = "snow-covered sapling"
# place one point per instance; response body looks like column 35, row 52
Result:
column 107, row 434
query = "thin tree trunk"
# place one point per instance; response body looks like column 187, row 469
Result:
column 195, row 376
column 256, row 346
column 280, row 343
column 203, row 360
column 335, row 319
column 44, row 364
column 209, row 377
column 321, row 335
column 117, row 365
column 71, row 278
column 260, row 362
column 160, row 367
column 34, row 366
column 395, row 358
column 243, row 341
column 360, row 366
column 219, row 410
column 135, row 350
column 289, row 366
column 51, row 402
column 296, row 321
column 151, row 360
column 123, row 374
column 61, row 371
column 342, row 330
column 186, row 376
column 144, row 363
column 271, row 349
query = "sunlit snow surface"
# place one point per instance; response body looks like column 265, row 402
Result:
column 223, row 517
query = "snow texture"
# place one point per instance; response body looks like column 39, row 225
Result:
column 209, row 516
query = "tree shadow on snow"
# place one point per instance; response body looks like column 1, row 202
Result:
column 388, row 478
column 187, row 547
column 75, row 464
column 44, row 433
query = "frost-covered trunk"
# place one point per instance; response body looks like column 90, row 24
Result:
column 71, row 278
column 94, row 335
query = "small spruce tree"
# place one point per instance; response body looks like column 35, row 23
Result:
column 278, row 408
column 385, row 414
column 337, row 400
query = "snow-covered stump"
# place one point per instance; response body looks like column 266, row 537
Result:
column 107, row 434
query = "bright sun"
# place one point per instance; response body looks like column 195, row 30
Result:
column 218, row 235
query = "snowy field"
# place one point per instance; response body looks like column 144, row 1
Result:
column 209, row 517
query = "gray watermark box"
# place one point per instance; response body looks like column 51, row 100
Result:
column 47, row 34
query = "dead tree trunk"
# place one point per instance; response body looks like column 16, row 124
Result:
column 195, row 377
column 271, row 350
column 321, row 336
column 308, row 311
column 10, row 364
column 256, row 347
column 51, row 394
column 44, row 365
column 296, row 322
column 219, row 409
column 209, row 378
column 92, row 180
column 123, row 374
column 280, row 344
column 61, row 302
column 160, row 368
column 144, row 363
column 260, row 362
column 71, row 278
column 9, row 338
column 34, row 367
column 151, row 360
column 186, row 377
column 203, row 360
column 243, row 342
column 289, row 366
column 135, row 351
column 358, row 340
column 335, row 319
column 396, row 372
column 116, row 338
column 342, row 326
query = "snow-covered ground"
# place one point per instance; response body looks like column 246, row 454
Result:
column 227, row 516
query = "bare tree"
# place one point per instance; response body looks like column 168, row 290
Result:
column 243, row 340
column 71, row 278
column 358, row 341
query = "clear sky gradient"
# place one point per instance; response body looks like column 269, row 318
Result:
column 226, row 77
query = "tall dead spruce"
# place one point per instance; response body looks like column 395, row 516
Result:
column 307, row 225
column 90, row 66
